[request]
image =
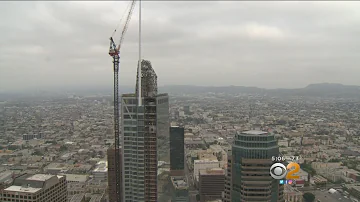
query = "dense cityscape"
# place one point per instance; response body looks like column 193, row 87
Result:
column 71, row 136
column 250, row 102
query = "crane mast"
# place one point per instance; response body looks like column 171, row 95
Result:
column 114, row 52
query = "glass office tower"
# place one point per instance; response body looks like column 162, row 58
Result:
column 177, row 154
column 250, row 169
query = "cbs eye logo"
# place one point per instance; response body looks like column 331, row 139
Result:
column 279, row 171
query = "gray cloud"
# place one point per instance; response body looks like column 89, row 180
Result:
column 265, row 44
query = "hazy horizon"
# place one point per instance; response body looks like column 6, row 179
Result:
column 128, row 88
column 54, row 45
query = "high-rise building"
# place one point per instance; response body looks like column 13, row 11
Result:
column 211, row 184
column 187, row 110
column 226, row 197
column 36, row 188
column 111, row 173
column 250, row 168
column 177, row 114
column 177, row 154
column 141, row 126
column 180, row 190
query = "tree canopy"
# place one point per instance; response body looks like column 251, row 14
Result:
column 309, row 197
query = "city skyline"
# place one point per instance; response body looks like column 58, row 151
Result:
column 70, row 135
column 249, row 82
column 227, row 43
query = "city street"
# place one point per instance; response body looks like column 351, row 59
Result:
column 314, row 188
column 190, row 180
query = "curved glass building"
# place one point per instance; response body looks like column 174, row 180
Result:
column 251, row 160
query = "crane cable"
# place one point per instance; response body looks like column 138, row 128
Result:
column 132, row 5
column 121, row 19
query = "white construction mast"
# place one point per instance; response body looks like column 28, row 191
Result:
column 139, row 62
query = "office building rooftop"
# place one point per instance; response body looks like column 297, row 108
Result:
column 179, row 183
column 22, row 189
column 32, row 183
column 212, row 171
column 254, row 132
column 40, row 177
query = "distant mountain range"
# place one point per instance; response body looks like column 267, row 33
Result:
column 318, row 90
column 312, row 90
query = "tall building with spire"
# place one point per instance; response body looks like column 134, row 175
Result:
column 141, row 126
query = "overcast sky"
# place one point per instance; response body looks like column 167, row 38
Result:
column 265, row 44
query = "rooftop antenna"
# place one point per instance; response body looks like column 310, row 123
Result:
column 139, row 62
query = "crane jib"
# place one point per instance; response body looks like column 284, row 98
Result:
column 114, row 52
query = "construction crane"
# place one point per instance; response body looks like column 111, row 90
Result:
column 114, row 52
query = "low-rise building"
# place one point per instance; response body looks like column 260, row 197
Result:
column 204, row 164
column 355, row 191
column 76, row 188
column 291, row 194
column 101, row 171
column 96, row 198
column 32, row 136
column 56, row 168
column 180, row 190
column 71, row 178
column 78, row 198
column 36, row 188
column 6, row 176
column 319, row 179
column 211, row 184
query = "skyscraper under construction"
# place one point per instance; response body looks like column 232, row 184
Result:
column 141, row 125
